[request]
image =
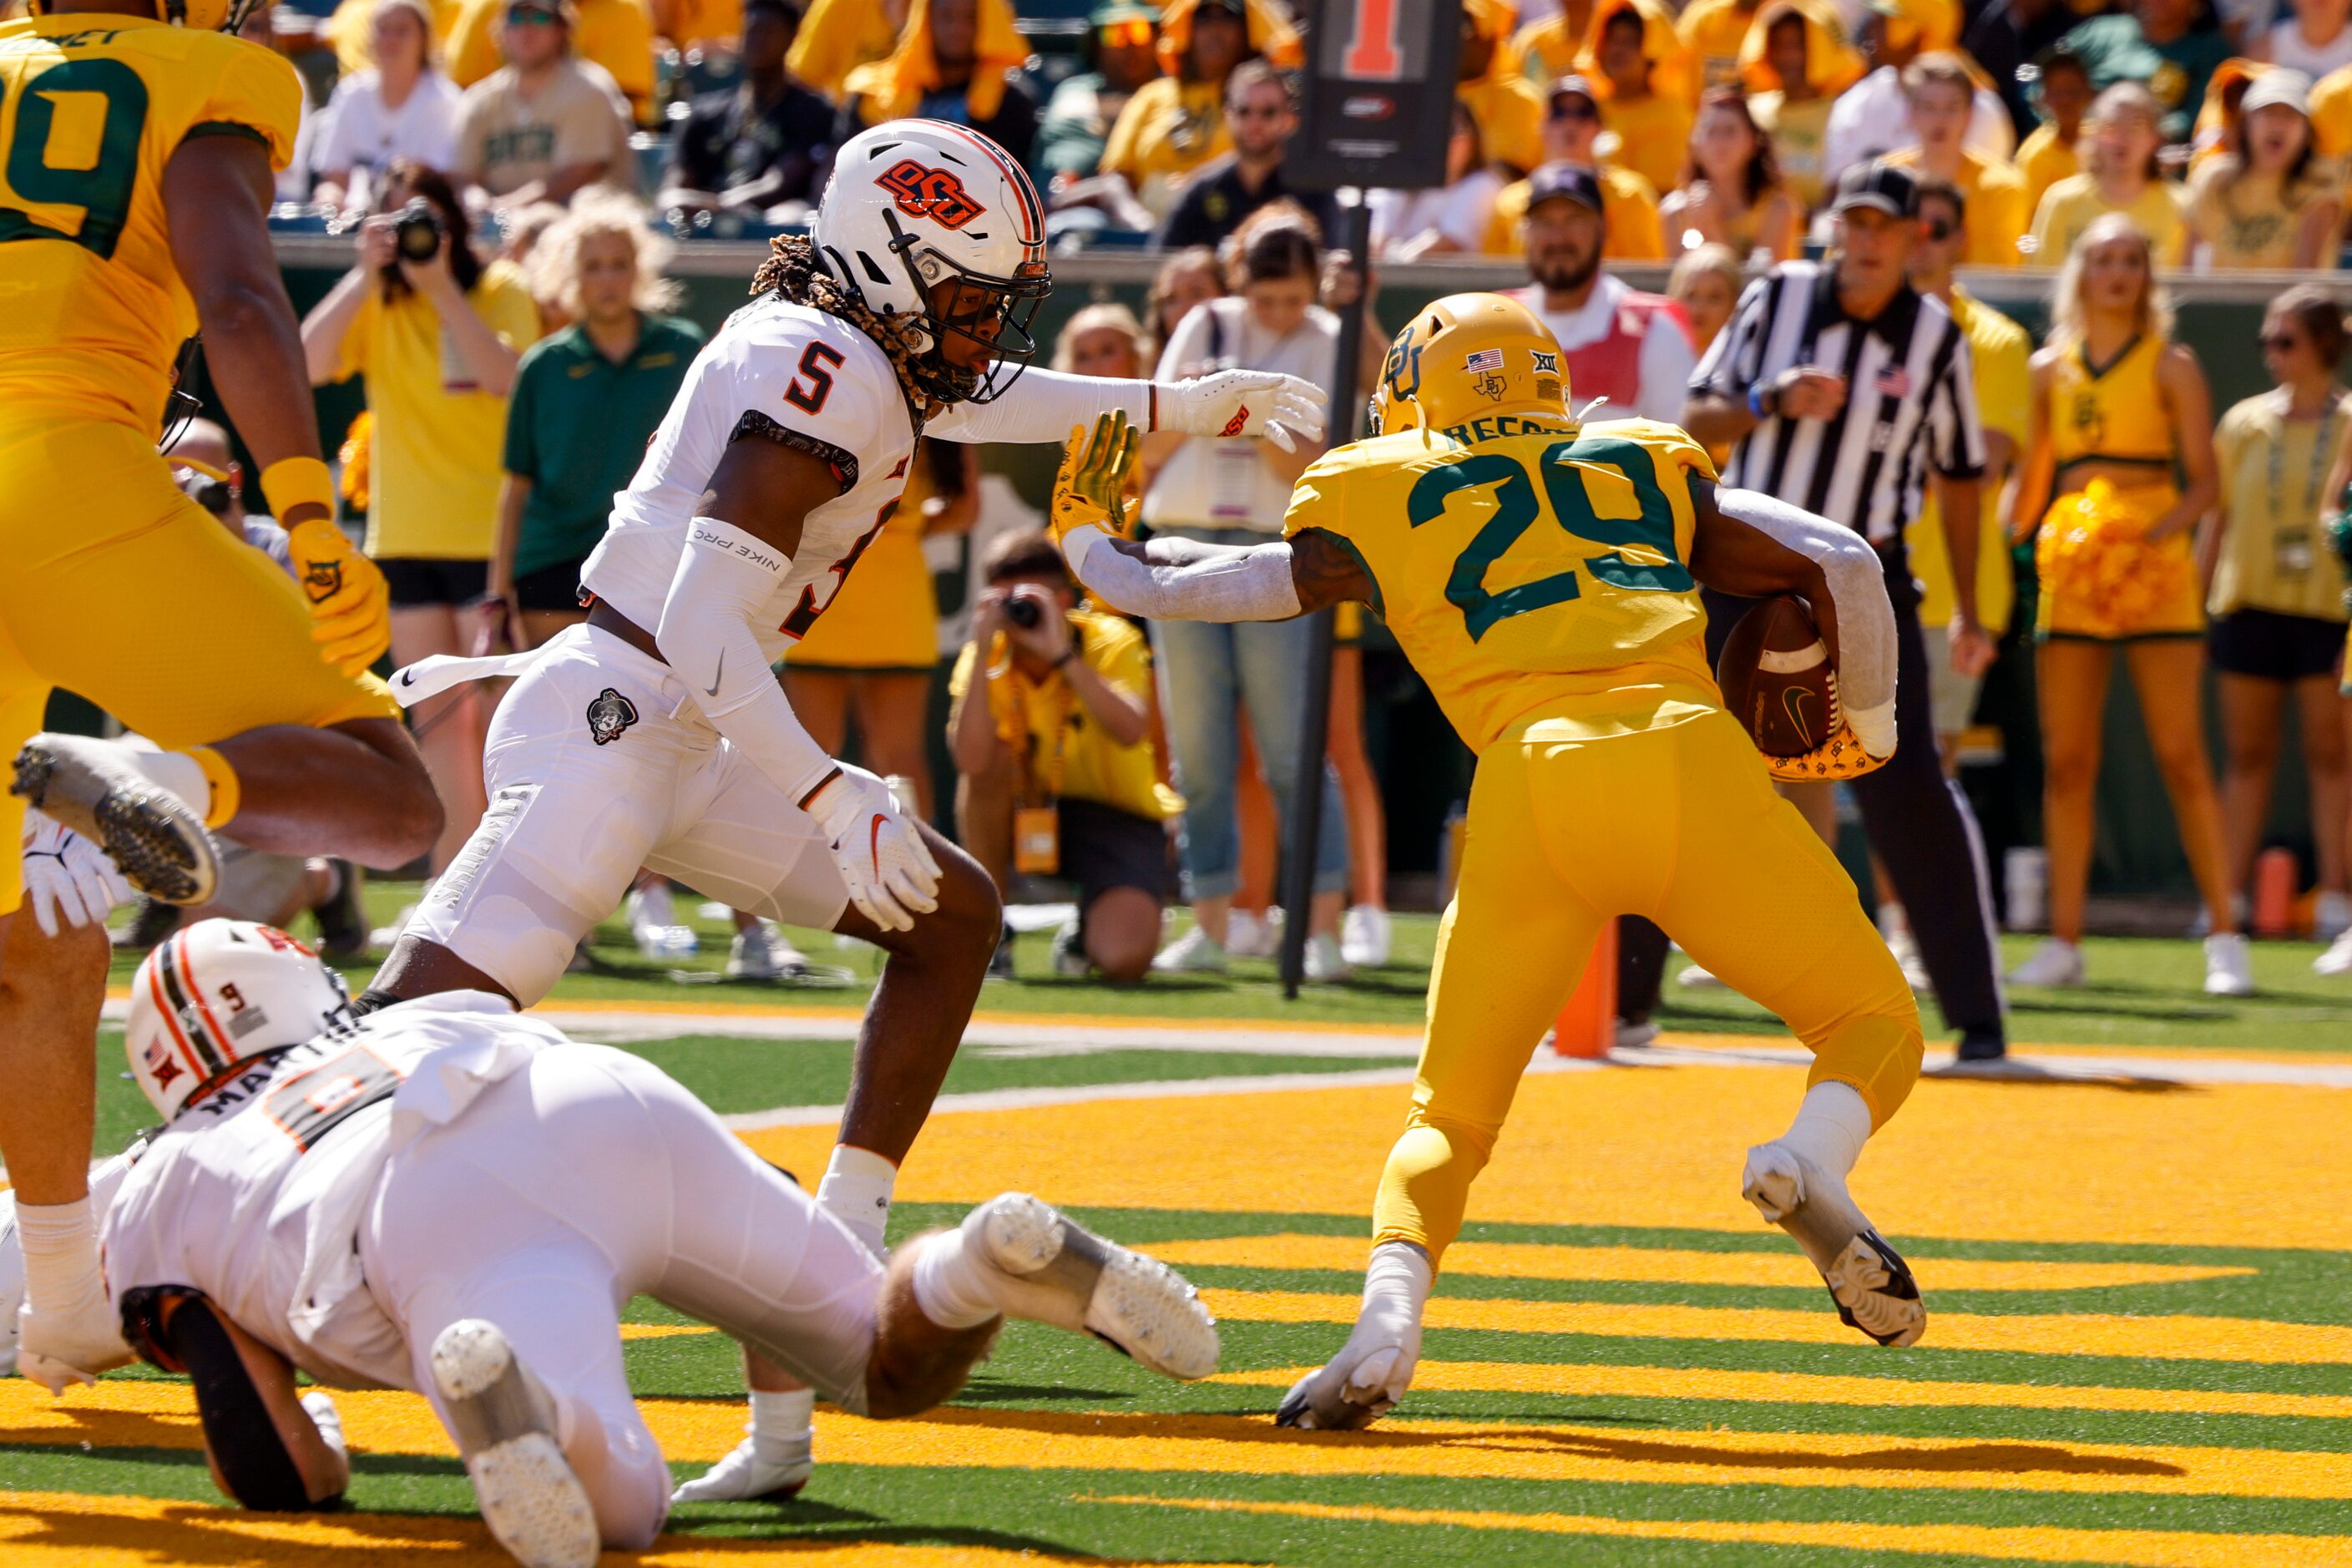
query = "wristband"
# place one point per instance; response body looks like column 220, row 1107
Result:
column 1756, row 403
column 290, row 482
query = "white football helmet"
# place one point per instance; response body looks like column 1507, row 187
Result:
column 217, row 996
column 915, row 203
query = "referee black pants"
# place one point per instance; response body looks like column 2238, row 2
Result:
column 1919, row 825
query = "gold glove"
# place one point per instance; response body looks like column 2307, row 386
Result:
column 1839, row 757
column 350, row 606
column 1091, row 486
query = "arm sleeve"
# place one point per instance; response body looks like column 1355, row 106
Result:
column 1179, row 579
column 1042, row 406
column 1857, row 584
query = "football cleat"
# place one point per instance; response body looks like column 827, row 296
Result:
column 155, row 839
column 1051, row 1269
column 504, row 1423
column 1354, row 1388
column 1868, row 1282
column 755, row 1468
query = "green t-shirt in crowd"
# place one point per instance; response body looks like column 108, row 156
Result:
column 577, row 427
column 2114, row 49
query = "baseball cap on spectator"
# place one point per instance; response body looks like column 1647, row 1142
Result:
column 1572, row 86
column 554, row 10
column 2289, row 89
column 1573, row 182
column 1878, row 185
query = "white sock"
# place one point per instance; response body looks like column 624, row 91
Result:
column 952, row 1286
column 1396, row 1289
column 175, row 771
column 1832, row 1125
column 60, row 1254
column 1396, row 1285
column 781, row 1417
column 856, row 1191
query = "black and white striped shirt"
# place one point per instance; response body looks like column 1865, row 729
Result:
column 1910, row 399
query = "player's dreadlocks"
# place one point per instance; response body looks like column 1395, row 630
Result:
column 792, row 272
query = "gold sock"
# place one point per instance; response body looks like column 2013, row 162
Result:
column 221, row 809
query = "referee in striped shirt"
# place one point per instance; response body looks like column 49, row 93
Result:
column 1844, row 390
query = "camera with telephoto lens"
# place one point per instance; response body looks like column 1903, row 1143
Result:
column 1023, row 613
column 417, row 233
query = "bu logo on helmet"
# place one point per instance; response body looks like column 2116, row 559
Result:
column 935, row 194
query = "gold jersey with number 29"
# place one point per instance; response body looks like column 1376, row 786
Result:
column 1527, row 564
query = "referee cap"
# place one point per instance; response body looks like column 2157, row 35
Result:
column 1877, row 184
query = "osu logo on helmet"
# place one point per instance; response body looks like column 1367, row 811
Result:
column 935, row 194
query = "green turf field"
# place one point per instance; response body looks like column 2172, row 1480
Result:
column 2139, row 1348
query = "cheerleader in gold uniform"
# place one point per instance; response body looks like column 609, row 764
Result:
column 2118, row 409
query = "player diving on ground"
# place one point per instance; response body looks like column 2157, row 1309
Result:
column 1543, row 579
column 427, row 1199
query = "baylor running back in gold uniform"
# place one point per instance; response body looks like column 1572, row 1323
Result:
column 1543, row 579
column 136, row 145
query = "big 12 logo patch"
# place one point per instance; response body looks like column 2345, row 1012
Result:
column 919, row 191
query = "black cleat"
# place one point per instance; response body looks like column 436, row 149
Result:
column 156, row 840
column 1875, row 1292
column 1981, row 1046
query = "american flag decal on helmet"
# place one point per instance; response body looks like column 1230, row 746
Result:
column 1484, row 359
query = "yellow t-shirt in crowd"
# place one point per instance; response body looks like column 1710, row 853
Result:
column 1799, row 131
column 616, row 33
column 836, row 36
column 2331, row 123
column 885, row 615
column 1030, row 714
column 1713, row 30
column 1653, row 136
column 439, row 441
column 2073, row 204
column 1547, row 50
column 1999, row 357
column 1510, row 116
column 2245, row 220
column 1583, row 611
column 97, row 104
column 695, row 22
column 2044, row 160
column 2272, row 472
column 1629, row 218
column 1168, row 129
column 1996, row 213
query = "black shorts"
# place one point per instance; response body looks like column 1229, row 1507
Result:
column 417, row 580
column 555, row 587
column 2268, row 645
column 1104, row 847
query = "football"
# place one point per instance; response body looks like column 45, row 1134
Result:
column 1776, row 678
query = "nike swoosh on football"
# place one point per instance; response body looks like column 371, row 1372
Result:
column 718, row 675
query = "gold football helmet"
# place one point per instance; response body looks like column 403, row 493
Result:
column 1468, row 355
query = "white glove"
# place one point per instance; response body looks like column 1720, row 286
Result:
column 67, row 876
column 889, row 871
column 1282, row 408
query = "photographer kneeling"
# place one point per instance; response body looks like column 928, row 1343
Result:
column 1056, row 773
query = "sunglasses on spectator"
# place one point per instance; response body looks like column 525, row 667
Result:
column 1940, row 229
column 1573, row 109
column 1129, row 35
column 2280, row 343
column 531, row 17
column 1254, row 112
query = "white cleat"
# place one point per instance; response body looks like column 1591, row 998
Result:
column 1052, row 1270
column 504, row 1425
column 1906, row 949
column 1364, row 936
column 1356, row 1387
column 1868, row 1280
column 760, row 952
column 756, row 1469
column 2337, row 959
column 2054, row 963
column 155, row 839
column 58, row 1350
column 2229, row 966
column 1194, row 952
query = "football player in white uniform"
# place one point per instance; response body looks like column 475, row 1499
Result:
column 427, row 1199
column 655, row 735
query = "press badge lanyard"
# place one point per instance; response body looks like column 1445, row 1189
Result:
column 2292, row 546
column 1036, row 821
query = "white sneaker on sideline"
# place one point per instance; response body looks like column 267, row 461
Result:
column 1252, row 935
column 1364, row 936
column 2055, row 962
column 1695, row 978
column 653, row 923
column 1906, row 949
column 2337, row 959
column 2331, row 916
column 1324, row 965
column 760, row 952
column 2229, row 966
column 1070, row 959
column 1194, row 952
column 505, row 1424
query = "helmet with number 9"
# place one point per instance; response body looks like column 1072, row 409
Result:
column 219, row 995
column 1468, row 355
column 914, row 203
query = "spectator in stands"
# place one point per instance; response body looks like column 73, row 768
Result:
column 438, row 343
column 614, row 36
column 520, row 230
column 952, row 63
column 1794, row 64
column 1261, row 118
column 765, row 142
column 2006, row 34
column 2267, row 200
column 2120, row 174
column 709, row 26
column 1630, row 231
column 1636, row 62
column 1441, row 220
column 585, row 401
column 1873, row 118
column 544, row 125
column 838, row 36
column 1176, row 123
column 1103, row 340
column 2169, row 45
column 2116, row 400
column 401, row 106
column 1187, row 278
column 2049, row 154
column 1706, row 282
column 1548, row 48
column 1121, row 55
column 1713, row 31
column 1055, row 775
column 1489, row 82
column 2315, row 40
column 2277, row 595
column 1235, row 492
column 1731, row 192
column 1631, row 348
column 1942, row 97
